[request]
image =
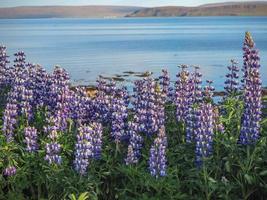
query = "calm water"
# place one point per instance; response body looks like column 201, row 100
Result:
column 90, row 47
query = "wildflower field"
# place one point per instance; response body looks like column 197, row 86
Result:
column 162, row 140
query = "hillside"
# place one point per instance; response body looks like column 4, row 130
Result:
column 66, row 11
column 220, row 9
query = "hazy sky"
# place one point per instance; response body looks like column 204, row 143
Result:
column 11, row 3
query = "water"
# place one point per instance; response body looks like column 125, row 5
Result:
column 90, row 47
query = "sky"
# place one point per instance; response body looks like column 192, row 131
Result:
column 145, row 3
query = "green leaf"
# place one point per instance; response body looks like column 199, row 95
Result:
column 263, row 173
column 72, row 197
column 212, row 180
column 248, row 178
column 227, row 166
column 264, row 121
column 84, row 196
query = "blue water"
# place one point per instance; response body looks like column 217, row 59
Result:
column 90, row 47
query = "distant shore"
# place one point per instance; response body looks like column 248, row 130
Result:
column 252, row 8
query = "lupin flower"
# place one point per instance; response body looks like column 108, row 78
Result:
column 165, row 84
column 26, row 103
column 119, row 116
column 9, row 121
column 151, row 121
column 231, row 83
column 31, row 139
column 52, row 153
column 250, row 125
column 38, row 83
column 4, row 69
column 58, row 89
column 19, row 64
column 182, row 94
column 194, row 97
column 53, row 148
column 10, row 171
column 196, row 85
column 218, row 126
column 204, row 132
column 60, row 99
column 84, row 149
column 157, row 159
column 135, row 145
column 248, row 46
column 97, row 140
column 208, row 91
column 89, row 141
column 160, row 105
column 148, row 103
column 102, row 101
column 81, row 106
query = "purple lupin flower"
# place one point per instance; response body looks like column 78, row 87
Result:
column 204, row 132
column 135, row 145
column 190, row 125
column 53, row 148
column 194, row 97
column 248, row 46
column 26, row 103
column 97, row 140
column 218, row 126
column 60, row 98
column 83, row 149
column 208, row 91
column 165, row 84
column 19, row 64
column 37, row 82
column 231, row 83
column 182, row 94
column 160, row 105
column 89, row 141
column 4, row 68
column 9, row 121
column 250, row 125
column 58, row 89
column 139, row 104
column 151, row 121
column 119, row 115
column 196, row 85
column 81, row 106
column 157, row 159
column 102, row 101
column 10, row 171
column 148, row 106
column 31, row 139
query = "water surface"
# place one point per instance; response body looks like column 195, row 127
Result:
column 90, row 47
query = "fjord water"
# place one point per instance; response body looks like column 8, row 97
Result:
column 91, row 47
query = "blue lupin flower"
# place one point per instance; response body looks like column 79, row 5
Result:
column 250, row 125
column 183, row 96
column 157, row 159
column 135, row 144
column 53, row 148
column 31, row 139
column 4, row 68
column 10, row 171
column 165, row 85
column 194, row 97
column 9, row 121
column 88, row 146
column 204, row 132
column 231, row 83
